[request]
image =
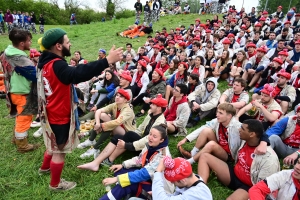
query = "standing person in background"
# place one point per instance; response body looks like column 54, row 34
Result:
column 147, row 12
column 16, row 19
column 20, row 76
column 33, row 21
column 138, row 10
column 73, row 19
column 42, row 22
column 2, row 30
column 59, row 124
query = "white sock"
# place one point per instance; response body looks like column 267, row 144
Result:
column 191, row 160
column 194, row 151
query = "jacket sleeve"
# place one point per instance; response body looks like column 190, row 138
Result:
column 194, row 135
column 213, row 102
column 259, row 191
column 145, row 82
column 81, row 73
column 110, row 88
column 171, row 80
column 125, row 115
column 183, row 117
column 136, row 176
column 278, row 128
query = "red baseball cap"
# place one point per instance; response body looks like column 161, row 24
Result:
column 124, row 93
column 126, row 75
column 159, row 101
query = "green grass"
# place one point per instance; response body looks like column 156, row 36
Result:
column 18, row 175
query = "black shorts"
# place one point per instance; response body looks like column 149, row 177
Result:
column 61, row 132
column 235, row 182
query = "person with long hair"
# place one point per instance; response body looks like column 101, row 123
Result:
column 237, row 66
column 73, row 62
column 210, row 62
column 172, row 69
column 181, row 76
column 198, row 68
column 163, row 64
column 223, row 65
column 140, row 79
column 102, row 88
column 138, row 171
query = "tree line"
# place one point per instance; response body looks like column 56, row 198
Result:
column 55, row 15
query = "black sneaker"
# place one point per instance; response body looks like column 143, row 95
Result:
column 191, row 124
column 140, row 114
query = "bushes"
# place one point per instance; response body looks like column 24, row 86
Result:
column 125, row 14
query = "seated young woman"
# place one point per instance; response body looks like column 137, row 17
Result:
column 136, row 174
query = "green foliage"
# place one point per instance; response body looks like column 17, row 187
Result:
column 125, row 14
column 110, row 8
column 273, row 4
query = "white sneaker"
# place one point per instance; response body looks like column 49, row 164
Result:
column 38, row 133
column 86, row 143
column 252, row 90
column 88, row 153
column 35, row 124
column 96, row 153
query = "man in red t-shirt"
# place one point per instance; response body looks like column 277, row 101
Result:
column 56, row 94
column 241, row 176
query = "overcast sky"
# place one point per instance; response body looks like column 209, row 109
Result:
column 129, row 3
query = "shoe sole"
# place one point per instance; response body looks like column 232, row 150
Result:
column 35, row 126
column 43, row 172
column 58, row 190
column 37, row 136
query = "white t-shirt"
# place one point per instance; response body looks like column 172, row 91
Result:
column 16, row 18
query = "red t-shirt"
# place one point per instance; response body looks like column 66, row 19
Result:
column 223, row 139
column 235, row 98
column 138, row 79
column 195, row 70
column 294, row 139
column 297, row 83
column 117, row 115
column 243, row 164
column 58, row 96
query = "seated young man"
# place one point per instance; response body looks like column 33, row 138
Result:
column 120, row 121
column 284, row 136
column 178, row 112
column 236, row 95
column 179, row 172
column 223, row 131
column 268, row 110
column 285, row 184
column 132, row 140
column 284, row 93
column 204, row 100
column 249, row 168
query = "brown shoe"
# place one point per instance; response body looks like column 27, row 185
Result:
column 184, row 153
column 24, row 147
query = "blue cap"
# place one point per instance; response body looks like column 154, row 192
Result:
column 102, row 50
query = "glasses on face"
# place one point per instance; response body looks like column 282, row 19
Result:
column 176, row 90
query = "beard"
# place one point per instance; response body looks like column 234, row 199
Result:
column 66, row 52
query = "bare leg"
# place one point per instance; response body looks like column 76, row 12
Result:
column 213, row 148
column 115, row 154
column 245, row 75
column 207, row 162
column 205, row 136
column 168, row 92
column 171, row 128
column 94, row 165
column 255, row 79
column 284, row 106
column 239, row 194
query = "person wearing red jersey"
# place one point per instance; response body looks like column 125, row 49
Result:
column 236, row 95
column 58, row 101
column 268, row 109
column 249, row 167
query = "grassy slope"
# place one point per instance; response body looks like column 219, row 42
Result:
column 18, row 175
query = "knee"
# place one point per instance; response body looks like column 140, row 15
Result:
column 211, row 145
column 203, row 157
column 274, row 139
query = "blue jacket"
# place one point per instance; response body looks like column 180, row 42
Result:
column 278, row 128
